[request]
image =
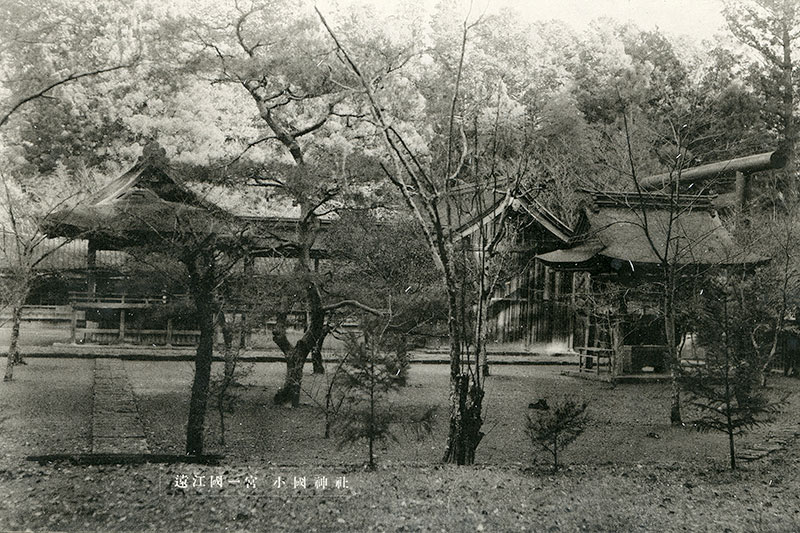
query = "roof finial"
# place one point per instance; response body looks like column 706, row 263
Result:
column 154, row 154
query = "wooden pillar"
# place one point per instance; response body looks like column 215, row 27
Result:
column 514, row 308
column 546, row 288
column 617, row 359
column 169, row 332
column 742, row 190
column 571, row 338
column 529, row 296
column 91, row 269
column 537, row 274
column 555, row 315
column 121, row 325
column 73, row 333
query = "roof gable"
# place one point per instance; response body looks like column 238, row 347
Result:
column 524, row 204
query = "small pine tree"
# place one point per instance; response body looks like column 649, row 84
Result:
column 377, row 364
column 557, row 427
column 725, row 388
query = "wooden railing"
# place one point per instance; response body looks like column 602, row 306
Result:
column 590, row 359
column 117, row 299
column 158, row 337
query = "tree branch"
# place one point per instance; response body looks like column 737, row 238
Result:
column 357, row 305
column 72, row 77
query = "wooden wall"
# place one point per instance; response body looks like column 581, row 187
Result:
column 534, row 308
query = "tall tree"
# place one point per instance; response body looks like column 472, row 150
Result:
column 423, row 192
column 270, row 52
column 772, row 28
column 275, row 53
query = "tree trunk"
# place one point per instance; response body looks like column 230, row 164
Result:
column 14, row 357
column 672, row 354
column 294, row 378
column 466, row 399
column 728, row 392
column 788, row 110
column 202, row 292
column 728, row 408
column 371, row 408
column 327, row 418
column 465, row 421
column 481, row 333
column 16, row 320
column 307, row 228
column 761, row 374
column 13, row 350
column 229, row 354
column 316, row 355
column 466, row 392
column 732, row 449
column 296, row 355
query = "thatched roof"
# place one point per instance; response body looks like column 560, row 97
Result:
column 150, row 202
column 135, row 212
column 241, row 201
column 644, row 229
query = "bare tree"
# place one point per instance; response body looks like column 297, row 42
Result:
column 25, row 249
column 424, row 194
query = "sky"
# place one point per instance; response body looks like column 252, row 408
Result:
column 698, row 18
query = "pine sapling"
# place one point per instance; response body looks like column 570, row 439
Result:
column 377, row 364
column 554, row 429
column 725, row 388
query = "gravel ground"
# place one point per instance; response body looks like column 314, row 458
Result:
column 585, row 498
column 618, row 478
column 622, row 417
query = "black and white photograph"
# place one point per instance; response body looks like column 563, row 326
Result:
column 400, row 265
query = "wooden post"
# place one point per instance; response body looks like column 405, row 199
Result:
column 121, row 325
column 514, row 308
column 615, row 363
column 597, row 361
column 169, row 332
column 587, row 332
column 554, row 316
column 91, row 269
column 73, row 333
column 528, row 306
column 742, row 190
column 571, row 339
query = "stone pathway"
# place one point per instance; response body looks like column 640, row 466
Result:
column 116, row 426
column 777, row 439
